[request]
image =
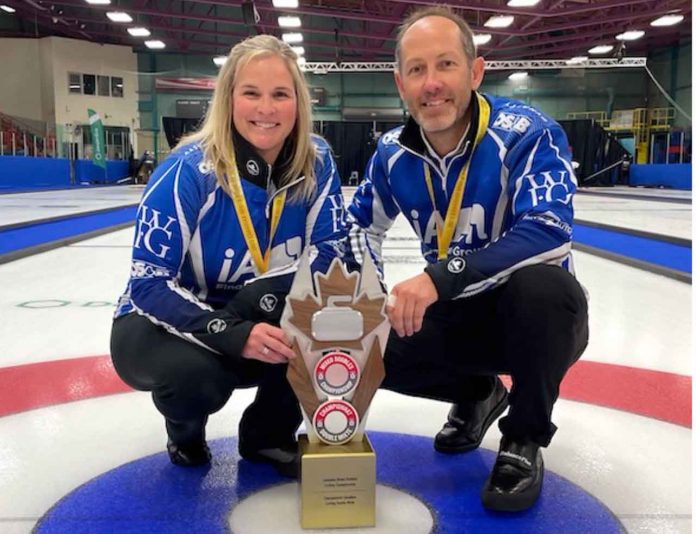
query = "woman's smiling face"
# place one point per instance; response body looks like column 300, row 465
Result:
column 264, row 105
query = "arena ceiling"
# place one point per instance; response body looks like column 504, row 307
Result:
column 353, row 30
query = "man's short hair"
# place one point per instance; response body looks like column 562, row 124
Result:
column 465, row 33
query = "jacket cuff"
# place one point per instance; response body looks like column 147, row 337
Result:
column 452, row 276
column 226, row 337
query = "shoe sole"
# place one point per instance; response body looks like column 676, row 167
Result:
column 517, row 503
column 497, row 412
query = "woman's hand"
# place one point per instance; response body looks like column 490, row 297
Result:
column 268, row 343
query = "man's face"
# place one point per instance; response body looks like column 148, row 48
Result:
column 435, row 78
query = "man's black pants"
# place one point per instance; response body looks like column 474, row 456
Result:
column 533, row 327
column 189, row 382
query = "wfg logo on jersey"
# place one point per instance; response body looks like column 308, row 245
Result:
column 548, row 186
column 148, row 224
column 337, row 212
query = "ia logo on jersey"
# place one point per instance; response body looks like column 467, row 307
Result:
column 456, row 265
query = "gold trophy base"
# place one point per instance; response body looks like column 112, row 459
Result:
column 337, row 484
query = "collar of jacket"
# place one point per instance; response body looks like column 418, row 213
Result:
column 253, row 168
column 411, row 138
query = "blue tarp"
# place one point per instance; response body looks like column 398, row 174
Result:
column 673, row 175
column 21, row 173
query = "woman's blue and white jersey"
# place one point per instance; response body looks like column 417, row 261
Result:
column 516, row 208
column 190, row 256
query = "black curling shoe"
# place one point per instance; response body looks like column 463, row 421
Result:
column 467, row 423
column 189, row 455
column 515, row 482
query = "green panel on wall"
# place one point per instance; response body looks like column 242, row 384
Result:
column 145, row 105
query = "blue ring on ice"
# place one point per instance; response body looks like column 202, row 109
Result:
column 151, row 495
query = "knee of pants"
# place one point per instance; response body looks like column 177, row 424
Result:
column 544, row 294
column 544, row 311
column 207, row 393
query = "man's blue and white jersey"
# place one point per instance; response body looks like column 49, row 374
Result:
column 516, row 208
column 190, row 256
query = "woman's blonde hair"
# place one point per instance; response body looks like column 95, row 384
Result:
column 215, row 134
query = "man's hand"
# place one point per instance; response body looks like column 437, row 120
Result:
column 269, row 344
column 407, row 303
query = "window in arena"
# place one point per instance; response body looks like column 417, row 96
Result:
column 89, row 82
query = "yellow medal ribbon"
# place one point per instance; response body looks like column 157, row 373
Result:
column 446, row 232
column 252, row 241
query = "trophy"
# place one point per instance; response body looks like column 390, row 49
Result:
column 339, row 330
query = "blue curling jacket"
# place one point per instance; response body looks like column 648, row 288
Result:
column 190, row 257
column 517, row 204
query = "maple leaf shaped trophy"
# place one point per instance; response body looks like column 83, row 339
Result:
column 339, row 329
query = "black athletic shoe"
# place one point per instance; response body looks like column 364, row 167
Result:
column 467, row 423
column 515, row 482
column 284, row 459
column 189, row 455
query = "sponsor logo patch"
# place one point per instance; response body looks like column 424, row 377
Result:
column 268, row 302
column 335, row 422
column 252, row 167
column 511, row 122
column 216, row 326
column 456, row 265
column 336, row 373
column 205, row 167
column 549, row 186
column 152, row 232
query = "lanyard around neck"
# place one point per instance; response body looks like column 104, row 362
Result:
column 261, row 260
column 445, row 231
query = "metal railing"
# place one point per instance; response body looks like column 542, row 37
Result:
column 13, row 143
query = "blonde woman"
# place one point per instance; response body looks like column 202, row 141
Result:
column 219, row 231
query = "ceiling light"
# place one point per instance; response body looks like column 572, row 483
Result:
column 481, row 38
column 99, row 2
column 8, row 9
column 499, row 21
column 576, row 60
column 119, row 16
column 517, row 76
column 601, row 49
column 299, row 50
column 220, row 60
column 668, row 20
column 522, row 3
column 285, row 3
column 630, row 35
column 289, row 22
column 292, row 37
column 139, row 32
column 155, row 44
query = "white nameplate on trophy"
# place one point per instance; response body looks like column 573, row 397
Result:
column 332, row 324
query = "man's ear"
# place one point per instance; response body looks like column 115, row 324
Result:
column 477, row 68
column 399, row 83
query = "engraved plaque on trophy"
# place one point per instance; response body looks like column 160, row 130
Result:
column 339, row 330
